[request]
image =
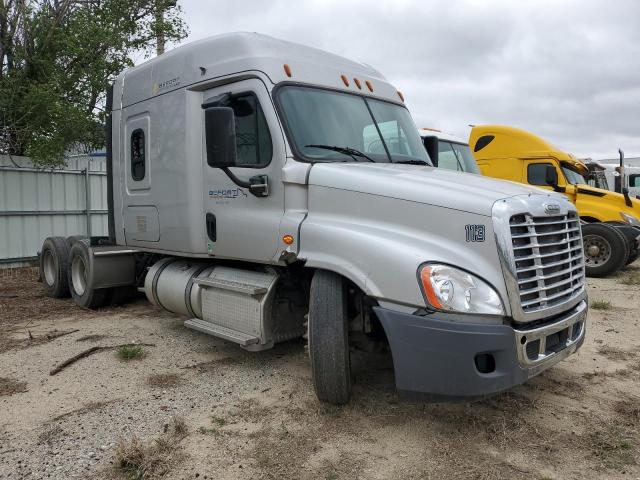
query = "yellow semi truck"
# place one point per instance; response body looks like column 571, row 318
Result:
column 611, row 225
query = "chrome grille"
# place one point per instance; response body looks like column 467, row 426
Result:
column 549, row 261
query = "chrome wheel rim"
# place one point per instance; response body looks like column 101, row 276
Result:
column 78, row 275
column 49, row 267
column 597, row 250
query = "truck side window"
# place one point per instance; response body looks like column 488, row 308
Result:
column 447, row 157
column 634, row 180
column 137, row 154
column 536, row 173
column 253, row 140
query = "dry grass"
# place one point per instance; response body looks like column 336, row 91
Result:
column 611, row 447
column 50, row 434
column 601, row 305
column 147, row 460
column 214, row 429
column 9, row 386
column 164, row 380
column 629, row 411
column 616, row 354
column 632, row 278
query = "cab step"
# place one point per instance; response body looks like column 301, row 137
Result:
column 222, row 332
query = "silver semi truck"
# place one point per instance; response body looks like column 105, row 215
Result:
column 264, row 190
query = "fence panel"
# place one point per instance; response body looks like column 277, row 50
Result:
column 36, row 204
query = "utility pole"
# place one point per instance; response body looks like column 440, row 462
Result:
column 161, row 7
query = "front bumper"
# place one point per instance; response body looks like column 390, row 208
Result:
column 438, row 359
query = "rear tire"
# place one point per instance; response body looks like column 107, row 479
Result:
column 80, row 278
column 74, row 238
column 605, row 249
column 329, row 338
column 54, row 258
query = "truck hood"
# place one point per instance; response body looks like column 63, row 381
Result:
column 611, row 196
column 423, row 184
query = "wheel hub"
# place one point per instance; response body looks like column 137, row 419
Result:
column 78, row 275
column 49, row 265
column 597, row 250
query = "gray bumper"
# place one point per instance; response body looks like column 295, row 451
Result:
column 438, row 359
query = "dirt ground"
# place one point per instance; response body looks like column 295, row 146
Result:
column 192, row 406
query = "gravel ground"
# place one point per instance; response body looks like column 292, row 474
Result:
column 197, row 407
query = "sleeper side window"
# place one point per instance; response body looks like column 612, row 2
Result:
column 537, row 174
column 253, row 140
column 138, row 154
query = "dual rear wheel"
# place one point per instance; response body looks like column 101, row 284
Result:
column 65, row 269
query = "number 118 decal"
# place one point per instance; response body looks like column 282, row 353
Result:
column 475, row 233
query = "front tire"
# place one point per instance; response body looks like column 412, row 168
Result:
column 80, row 278
column 329, row 338
column 605, row 249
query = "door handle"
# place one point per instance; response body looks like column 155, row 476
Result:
column 211, row 226
column 259, row 185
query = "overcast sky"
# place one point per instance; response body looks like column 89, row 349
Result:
column 566, row 70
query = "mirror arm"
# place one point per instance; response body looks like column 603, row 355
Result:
column 234, row 179
column 258, row 185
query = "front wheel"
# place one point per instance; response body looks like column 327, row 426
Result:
column 605, row 249
column 329, row 338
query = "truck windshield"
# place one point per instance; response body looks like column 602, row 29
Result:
column 573, row 177
column 329, row 126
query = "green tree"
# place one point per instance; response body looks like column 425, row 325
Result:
column 57, row 58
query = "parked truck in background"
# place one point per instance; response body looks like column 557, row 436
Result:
column 263, row 189
column 611, row 227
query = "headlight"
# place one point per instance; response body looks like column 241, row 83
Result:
column 451, row 289
column 630, row 219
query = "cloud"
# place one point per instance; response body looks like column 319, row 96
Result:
column 569, row 71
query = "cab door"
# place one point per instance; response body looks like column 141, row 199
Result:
column 242, row 222
column 535, row 174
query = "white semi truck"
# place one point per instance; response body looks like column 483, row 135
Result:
column 262, row 189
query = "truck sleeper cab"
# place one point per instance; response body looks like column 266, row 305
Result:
column 265, row 191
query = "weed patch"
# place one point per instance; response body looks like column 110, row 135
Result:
column 130, row 352
column 611, row 447
column 601, row 305
column 137, row 459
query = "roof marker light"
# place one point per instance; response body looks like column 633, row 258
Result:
column 369, row 85
column 287, row 70
column 400, row 95
column 345, row 80
column 358, row 84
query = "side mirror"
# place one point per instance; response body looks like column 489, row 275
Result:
column 220, row 136
column 431, row 145
column 551, row 176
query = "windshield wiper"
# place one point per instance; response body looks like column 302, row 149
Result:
column 411, row 162
column 352, row 152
